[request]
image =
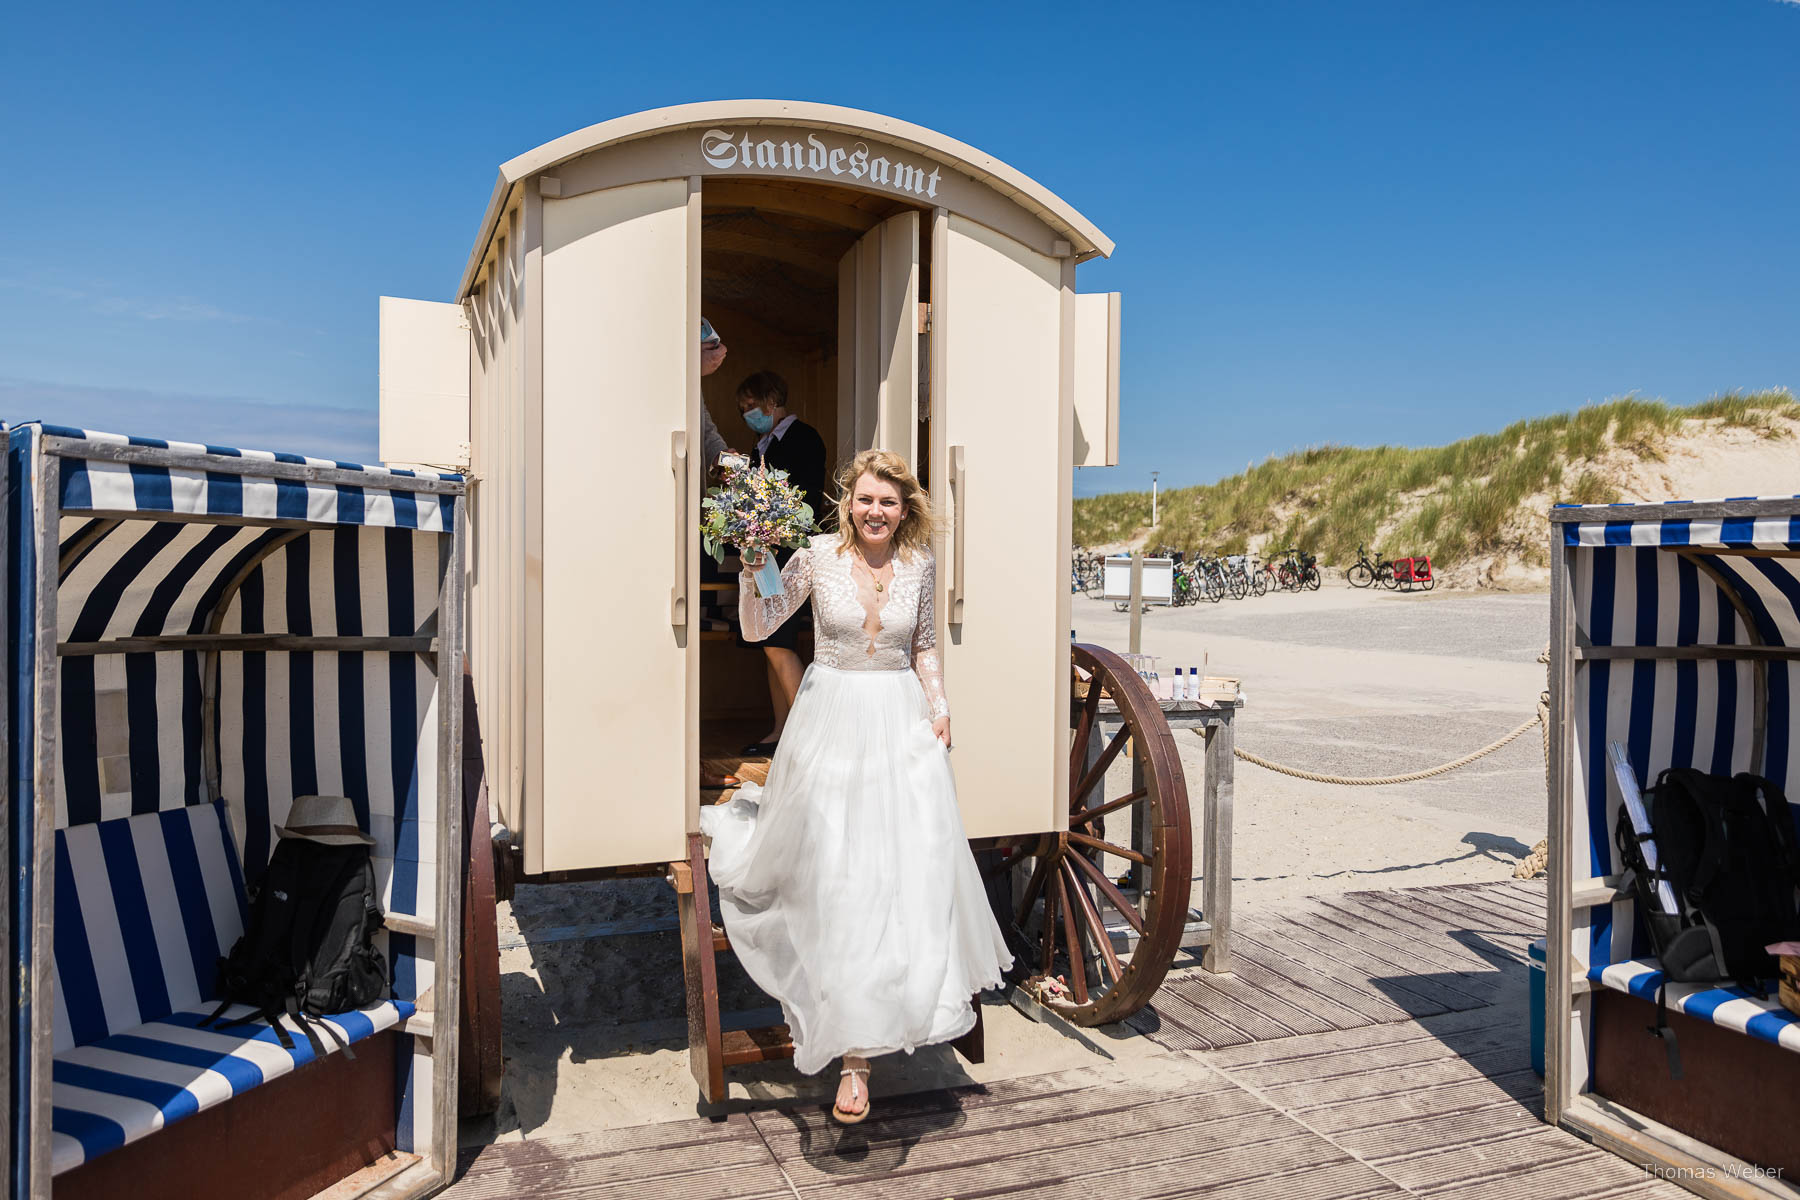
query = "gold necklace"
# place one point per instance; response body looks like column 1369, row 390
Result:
column 873, row 577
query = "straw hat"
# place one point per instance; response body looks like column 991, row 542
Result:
column 327, row 819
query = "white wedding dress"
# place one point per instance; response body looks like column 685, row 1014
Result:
column 846, row 883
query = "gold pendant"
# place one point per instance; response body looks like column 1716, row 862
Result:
column 878, row 587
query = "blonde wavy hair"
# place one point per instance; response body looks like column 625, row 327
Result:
column 914, row 531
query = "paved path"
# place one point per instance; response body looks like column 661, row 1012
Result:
column 1370, row 1044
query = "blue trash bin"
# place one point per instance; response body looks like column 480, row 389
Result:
column 1537, row 955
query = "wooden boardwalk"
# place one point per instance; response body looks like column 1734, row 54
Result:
column 1368, row 1045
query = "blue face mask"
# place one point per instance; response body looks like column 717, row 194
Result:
column 759, row 421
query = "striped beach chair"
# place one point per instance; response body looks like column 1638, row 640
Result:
column 1676, row 634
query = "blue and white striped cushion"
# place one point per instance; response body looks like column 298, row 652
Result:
column 129, row 1085
column 1731, row 1007
column 145, row 906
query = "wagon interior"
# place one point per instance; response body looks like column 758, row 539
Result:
column 776, row 259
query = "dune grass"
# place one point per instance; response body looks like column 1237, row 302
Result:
column 1449, row 501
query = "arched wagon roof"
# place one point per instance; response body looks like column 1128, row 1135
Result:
column 1083, row 236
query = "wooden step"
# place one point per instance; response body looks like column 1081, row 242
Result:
column 720, row 941
column 767, row 1044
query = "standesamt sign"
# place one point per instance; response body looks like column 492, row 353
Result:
column 728, row 149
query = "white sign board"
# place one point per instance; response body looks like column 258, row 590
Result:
column 1159, row 579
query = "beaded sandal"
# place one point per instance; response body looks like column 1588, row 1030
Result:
column 849, row 1118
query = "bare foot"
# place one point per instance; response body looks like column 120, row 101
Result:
column 853, row 1086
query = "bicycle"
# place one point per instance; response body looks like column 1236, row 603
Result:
column 1368, row 572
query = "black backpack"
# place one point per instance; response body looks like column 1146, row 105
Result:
column 1726, row 848
column 308, row 950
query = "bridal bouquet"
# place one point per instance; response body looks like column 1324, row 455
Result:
column 756, row 508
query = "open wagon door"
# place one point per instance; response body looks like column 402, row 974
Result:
column 878, row 341
column 612, row 743
column 1002, row 470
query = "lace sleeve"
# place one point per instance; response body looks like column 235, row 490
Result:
column 760, row 616
column 927, row 664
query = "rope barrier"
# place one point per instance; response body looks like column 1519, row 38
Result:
column 1540, row 719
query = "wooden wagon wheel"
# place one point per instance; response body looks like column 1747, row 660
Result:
column 1059, row 922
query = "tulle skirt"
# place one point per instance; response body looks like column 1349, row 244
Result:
column 846, row 884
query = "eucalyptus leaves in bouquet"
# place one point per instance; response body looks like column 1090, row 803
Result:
column 755, row 508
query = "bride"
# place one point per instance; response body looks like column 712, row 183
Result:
column 846, row 883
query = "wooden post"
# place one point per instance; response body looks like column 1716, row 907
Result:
column 1137, row 601
column 1215, row 824
column 1559, row 986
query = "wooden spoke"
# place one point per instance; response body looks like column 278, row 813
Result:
column 1110, row 890
column 1067, row 884
column 1031, row 890
column 1091, row 915
column 1084, row 726
column 1078, row 794
column 1072, row 939
column 1095, row 843
column 1086, row 815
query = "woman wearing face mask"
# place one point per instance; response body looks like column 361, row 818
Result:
column 787, row 443
column 846, row 883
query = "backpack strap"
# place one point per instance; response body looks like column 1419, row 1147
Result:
column 1661, row 1028
column 1781, row 816
column 299, row 1019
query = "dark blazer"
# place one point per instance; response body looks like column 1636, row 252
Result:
column 801, row 453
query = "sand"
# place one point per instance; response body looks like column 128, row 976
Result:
column 1342, row 681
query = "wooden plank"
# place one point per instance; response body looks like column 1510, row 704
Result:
column 1216, row 799
column 1481, row 975
column 1405, row 1045
column 1481, row 916
column 1419, row 995
column 1265, row 984
column 1439, row 919
column 1592, row 893
column 1403, row 955
column 451, row 850
column 244, row 643
column 1462, row 927
column 1347, row 987
column 1699, row 511
column 1277, row 1005
column 36, row 981
column 1687, row 653
column 228, row 464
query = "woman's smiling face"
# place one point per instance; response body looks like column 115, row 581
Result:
column 876, row 510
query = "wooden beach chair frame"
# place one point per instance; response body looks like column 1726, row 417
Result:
column 1675, row 630
column 380, row 1121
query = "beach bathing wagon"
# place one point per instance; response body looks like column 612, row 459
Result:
column 197, row 635
column 918, row 295
column 1675, row 632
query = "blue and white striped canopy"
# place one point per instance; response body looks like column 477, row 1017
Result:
column 101, row 474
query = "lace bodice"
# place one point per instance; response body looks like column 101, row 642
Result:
column 856, row 628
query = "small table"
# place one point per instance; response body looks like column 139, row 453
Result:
column 1208, row 926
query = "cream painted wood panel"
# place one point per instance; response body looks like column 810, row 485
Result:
column 1002, row 407
column 424, row 388
column 878, row 340
column 614, row 704
column 1097, row 329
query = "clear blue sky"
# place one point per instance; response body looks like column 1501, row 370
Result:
column 1366, row 222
